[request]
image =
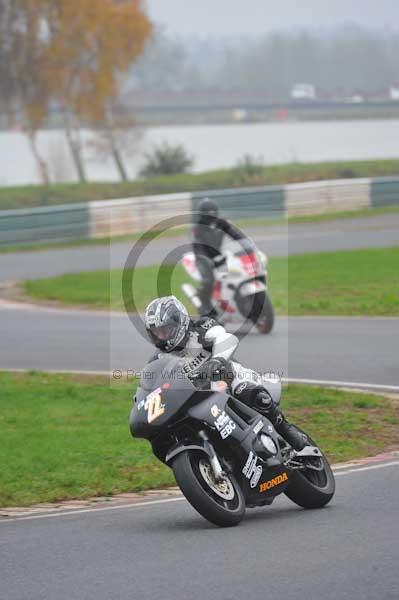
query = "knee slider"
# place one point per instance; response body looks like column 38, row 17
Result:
column 263, row 401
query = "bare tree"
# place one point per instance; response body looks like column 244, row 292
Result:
column 7, row 90
column 27, row 97
column 118, row 137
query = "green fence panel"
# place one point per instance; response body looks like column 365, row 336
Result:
column 245, row 203
column 384, row 191
column 64, row 222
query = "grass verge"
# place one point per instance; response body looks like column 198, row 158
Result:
column 66, row 436
column 38, row 195
column 359, row 282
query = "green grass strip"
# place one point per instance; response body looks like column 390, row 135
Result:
column 65, row 193
column 66, row 436
column 359, row 282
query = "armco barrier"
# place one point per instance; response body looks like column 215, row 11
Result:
column 244, row 203
column 384, row 191
column 131, row 215
column 68, row 221
column 327, row 196
column 118, row 217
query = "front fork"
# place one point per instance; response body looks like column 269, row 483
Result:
column 213, row 459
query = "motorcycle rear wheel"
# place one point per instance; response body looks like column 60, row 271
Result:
column 258, row 309
column 220, row 503
column 312, row 489
column 265, row 321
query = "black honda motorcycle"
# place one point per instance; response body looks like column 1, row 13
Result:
column 225, row 456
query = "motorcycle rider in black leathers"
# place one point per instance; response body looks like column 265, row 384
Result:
column 207, row 347
column 208, row 233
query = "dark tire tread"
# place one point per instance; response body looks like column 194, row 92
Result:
column 200, row 500
column 308, row 495
column 268, row 314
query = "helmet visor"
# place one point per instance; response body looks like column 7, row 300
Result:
column 165, row 333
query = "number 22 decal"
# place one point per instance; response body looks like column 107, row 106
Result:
column 154, row 406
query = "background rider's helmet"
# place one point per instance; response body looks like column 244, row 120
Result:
column 208, row 211
column 167, row 322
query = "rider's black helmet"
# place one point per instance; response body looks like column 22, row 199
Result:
column 208, row 211
column 167, row 323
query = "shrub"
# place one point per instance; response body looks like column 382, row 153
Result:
column 167, row 160
column 249, row 167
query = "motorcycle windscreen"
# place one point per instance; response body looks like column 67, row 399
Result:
column 163, row 393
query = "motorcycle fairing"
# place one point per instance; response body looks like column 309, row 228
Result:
column 244, row 440
column 164, row 394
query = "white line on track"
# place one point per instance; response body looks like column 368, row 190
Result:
column 344, row 384
column 6, row 305
column 164, row 501
column 367, row 468
column 319, row 382
column 81, row 511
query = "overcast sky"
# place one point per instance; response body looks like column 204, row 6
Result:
column 231, row 17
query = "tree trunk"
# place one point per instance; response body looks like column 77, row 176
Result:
column 41, row 163
column 74, row 146
column 117, row 156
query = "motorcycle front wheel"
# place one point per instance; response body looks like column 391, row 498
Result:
column 220, row 502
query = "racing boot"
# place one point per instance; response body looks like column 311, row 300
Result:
column 265, row 405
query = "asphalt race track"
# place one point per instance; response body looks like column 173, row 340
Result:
column 346, row 551
column 345, row 349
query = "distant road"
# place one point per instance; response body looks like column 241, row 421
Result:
column 249, row 100
column 345, row 234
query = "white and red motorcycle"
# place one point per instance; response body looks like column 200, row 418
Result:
column 240, row 288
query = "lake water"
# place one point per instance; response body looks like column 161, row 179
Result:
column 213, row 147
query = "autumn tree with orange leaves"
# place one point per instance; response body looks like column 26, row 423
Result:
column 74, row 54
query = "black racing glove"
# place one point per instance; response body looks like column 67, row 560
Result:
column 218, row 369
